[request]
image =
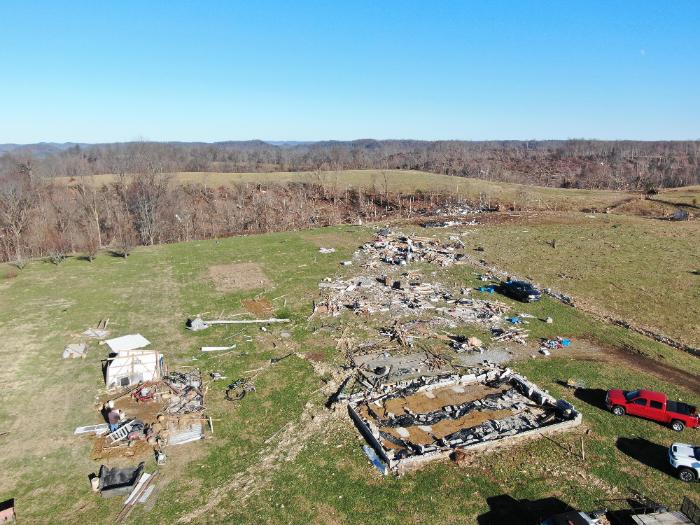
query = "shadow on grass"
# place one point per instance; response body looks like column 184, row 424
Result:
column 506, row 510
column 592, row 396
column 646, row 452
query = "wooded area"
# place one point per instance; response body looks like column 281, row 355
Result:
column 40, row 216
column 622, row 165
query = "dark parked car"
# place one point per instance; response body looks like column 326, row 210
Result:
column 521, row 290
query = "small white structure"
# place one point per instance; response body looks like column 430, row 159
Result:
column 130, row 367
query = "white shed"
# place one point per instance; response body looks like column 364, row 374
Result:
column 130, row 367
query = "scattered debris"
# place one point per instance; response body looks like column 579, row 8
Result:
column 92, row 429
column 95, row 333
column 515, row 335
column 375, row 460
column 468, row 344
column 181, row 434
column 238, row 389
column 326, row 250
column 197, row 323
column 398, row 249
column 575, row 383
column 127, row 342
column 188, row 396
column 217, row 348
column 414, row 421
column 100, row 332
column 553, row 344
column 75, row 350
column 680, row 215
column 139, row 494
column 113, row 482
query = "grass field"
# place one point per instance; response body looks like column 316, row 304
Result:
column 411, row 181
column 320, row 475
column 642, row 270
column 686, row 195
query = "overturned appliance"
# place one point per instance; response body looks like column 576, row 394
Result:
column 413, row 422
column 118, row 481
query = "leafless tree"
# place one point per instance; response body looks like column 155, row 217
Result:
column 149, row 192
column 90, row 203
column 17, row 202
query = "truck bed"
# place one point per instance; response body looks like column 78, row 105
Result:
column 681, row 408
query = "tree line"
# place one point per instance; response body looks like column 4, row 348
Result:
column 620, row 165
column 44, row 217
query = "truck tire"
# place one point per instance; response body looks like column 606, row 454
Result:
column 686, row 474
column 618, row 410
column 677, row 425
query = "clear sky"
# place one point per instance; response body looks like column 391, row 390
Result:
column 304, row 70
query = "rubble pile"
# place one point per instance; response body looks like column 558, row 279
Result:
column 427, row 417
column 368, row 295
column 398, row 249
column 410, row 403
column 188, row 397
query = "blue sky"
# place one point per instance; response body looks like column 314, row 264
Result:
column 304, row 70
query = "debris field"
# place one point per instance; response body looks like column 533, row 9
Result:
column 416, row 405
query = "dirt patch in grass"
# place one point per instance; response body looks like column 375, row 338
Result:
column 258, row 307
column 669, row 373
column 589, row 351
column 238, row 276
column 317, row 357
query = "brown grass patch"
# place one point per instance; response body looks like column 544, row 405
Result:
column 238, row 276
column 318, row 357
column 258, row 307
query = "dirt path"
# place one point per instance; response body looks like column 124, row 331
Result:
column 679, row 377
column 585, row 350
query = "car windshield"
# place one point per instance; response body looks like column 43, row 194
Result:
column 696, row 452
column 632, row 395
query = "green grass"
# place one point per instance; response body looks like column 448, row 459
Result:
column 643, row 270
column 43, row 398
column 686, row 195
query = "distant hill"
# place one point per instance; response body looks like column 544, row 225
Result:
column 41, row 149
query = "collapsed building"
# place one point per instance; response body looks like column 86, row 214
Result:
column 411, row 404
column 417, row 420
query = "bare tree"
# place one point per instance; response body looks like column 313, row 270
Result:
column 17, row 202
column 149, row 192
column 89, row 200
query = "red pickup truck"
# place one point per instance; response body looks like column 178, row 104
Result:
column 653, row 405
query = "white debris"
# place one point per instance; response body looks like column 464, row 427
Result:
column 127, row 342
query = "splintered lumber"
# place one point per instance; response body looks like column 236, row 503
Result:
column 133, row 498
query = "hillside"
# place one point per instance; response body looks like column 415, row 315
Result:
column 279, row 456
